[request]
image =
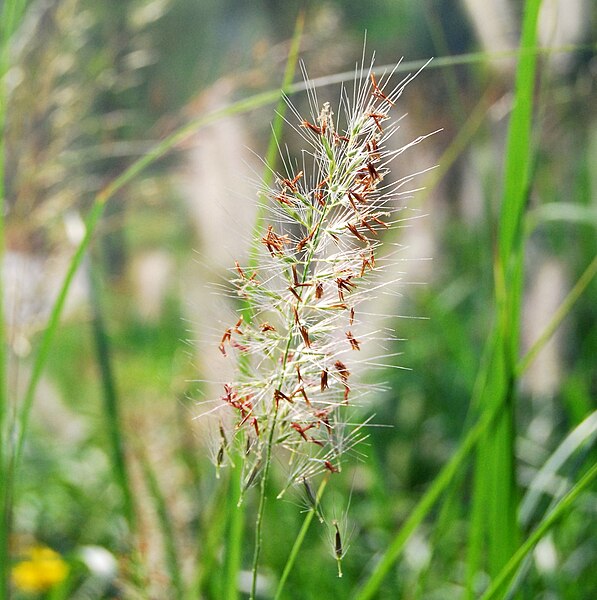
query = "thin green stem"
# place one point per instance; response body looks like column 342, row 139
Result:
column 53, row 324
column 263, row 499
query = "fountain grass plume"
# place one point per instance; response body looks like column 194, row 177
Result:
column 319, row 260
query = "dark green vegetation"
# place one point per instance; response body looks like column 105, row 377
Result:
column 483, row 486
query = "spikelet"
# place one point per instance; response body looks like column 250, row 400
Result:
column 319, row 258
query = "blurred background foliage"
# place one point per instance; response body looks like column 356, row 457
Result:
column 92, row 86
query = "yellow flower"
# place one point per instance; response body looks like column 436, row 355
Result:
column 42, row 569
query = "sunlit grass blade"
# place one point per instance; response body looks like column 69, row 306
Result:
column 565, row 504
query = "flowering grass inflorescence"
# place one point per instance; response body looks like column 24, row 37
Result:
column 296, row 338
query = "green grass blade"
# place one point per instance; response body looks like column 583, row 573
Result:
column 211, row 532
column 509, row 569
column 51, row 329
column 518, row 147
column 111, row 404
column 495, row 478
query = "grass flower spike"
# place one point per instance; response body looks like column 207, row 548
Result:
column 297, row 339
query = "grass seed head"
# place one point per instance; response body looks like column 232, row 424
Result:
column 317, row 259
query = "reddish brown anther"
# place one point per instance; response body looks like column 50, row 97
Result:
column 302, row 429
column 265, row 326
column 373, row 172
column 274, row 242
column 353, row 229
column 239, row 346
column 318, row 290
column 364, row 223
column 357, row 196
column 351, row 318
column 344, row 285
column 338, row 306
column 246, row 410
column 377, row 93
column 324, row 380
column 239, row 270
column 354, row 343
column 378, row 118
column 229, row 395
column 296, row 281
column 279, row 395
column 379, row 221
column 238, row 324
column 303, row 241
column 323, row 416
column 342, row 370
column 340, row 138
column 301, row 390
column 291, row 183
column 225, row 338
column 294, row 293
column 282, row 198
column 330, row 467
column 373, row 149
column 314, row 128
column 305, row 335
